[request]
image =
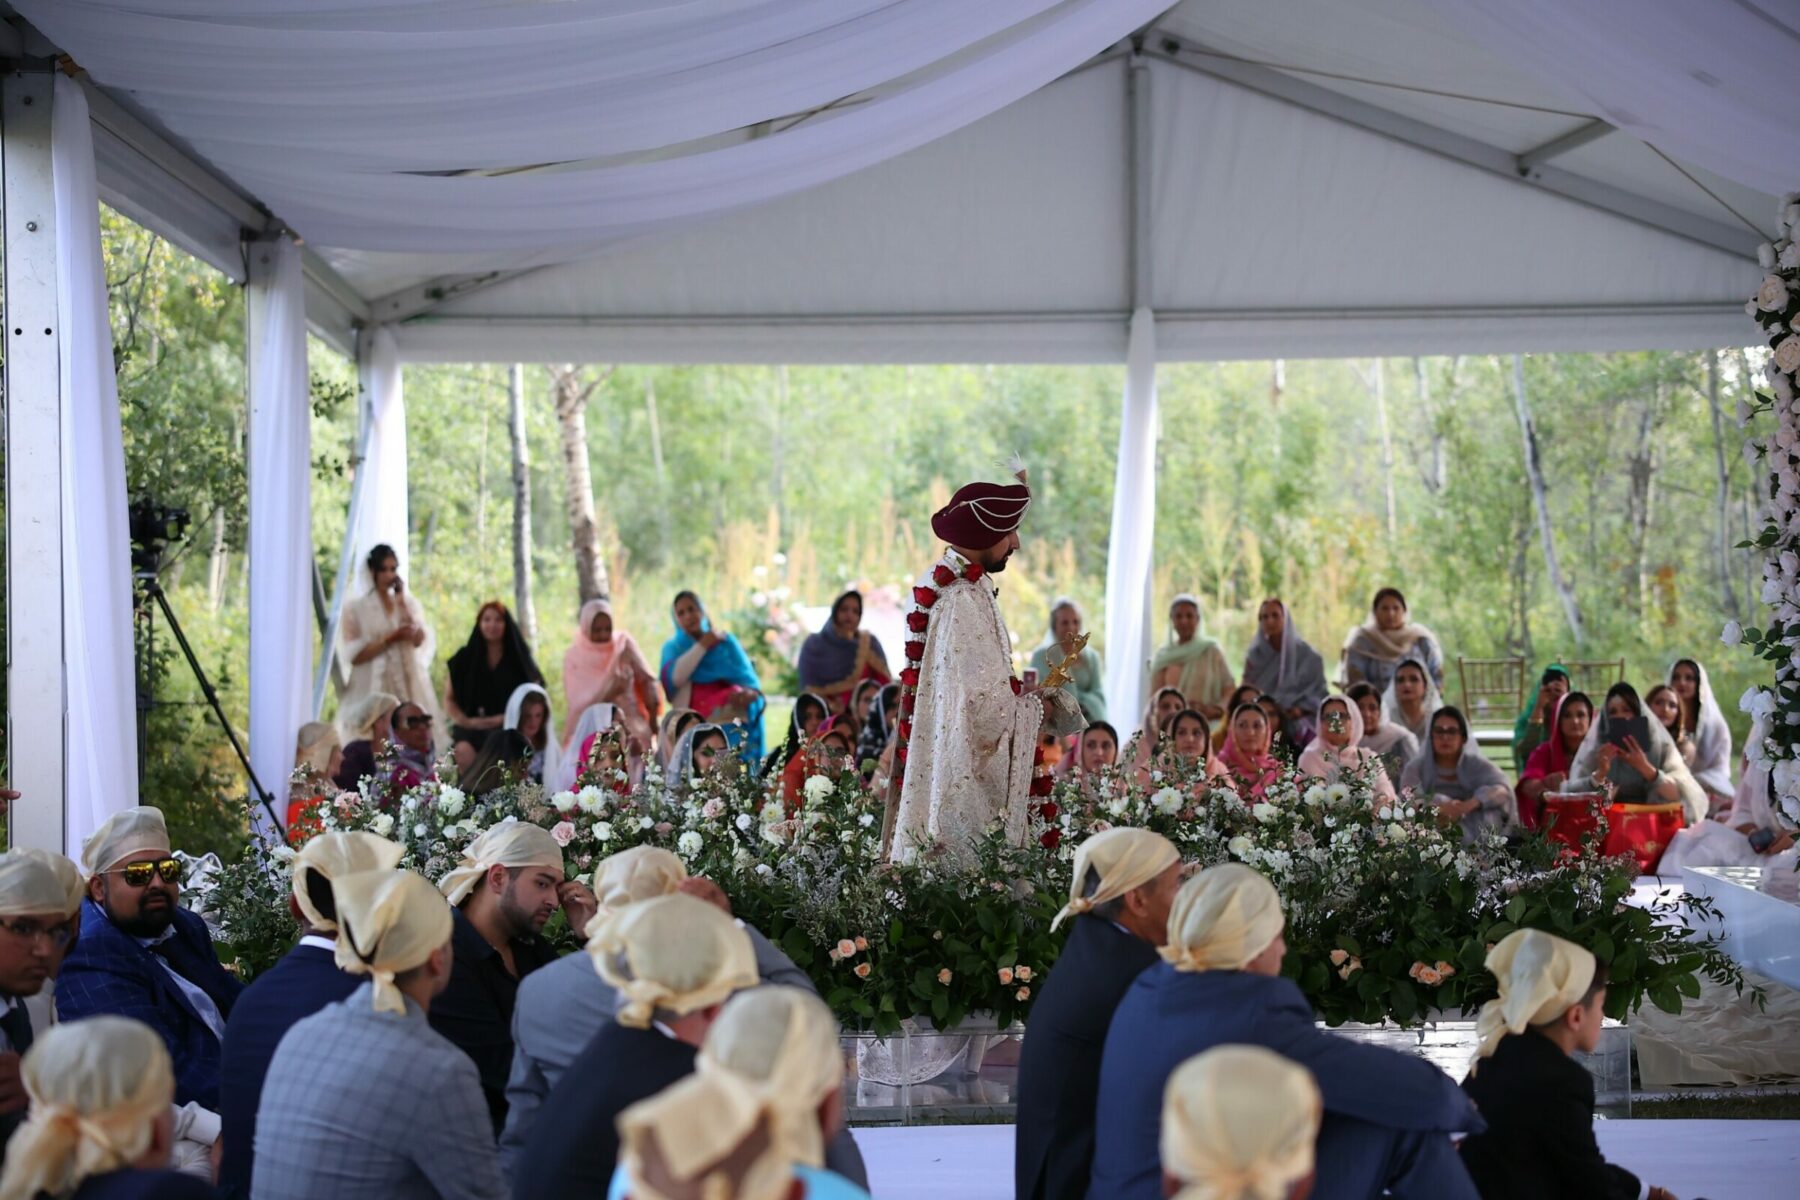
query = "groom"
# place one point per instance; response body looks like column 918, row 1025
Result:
column 968, row 731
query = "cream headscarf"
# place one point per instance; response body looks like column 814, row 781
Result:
column 388, row 922
column 333, row 855
column 1239, row 1123
column 511, row 843
column 96, row 1089
column 640, row 873
column 1541, row 976
column 687, row 1133
column 1222, row 918
column 37, row 881
column 1125, row 859
column 783, row 1043
column 314, row 744
column 673, row 952
column 124, row 833
column 358, row 724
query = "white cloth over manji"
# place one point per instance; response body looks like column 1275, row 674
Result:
column 970, row 755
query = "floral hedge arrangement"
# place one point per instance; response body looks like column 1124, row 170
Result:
column 1775, row 710
column 1390, row 914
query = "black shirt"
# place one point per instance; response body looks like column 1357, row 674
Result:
column 475, row 1011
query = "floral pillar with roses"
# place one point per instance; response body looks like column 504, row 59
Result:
column 1774, row 740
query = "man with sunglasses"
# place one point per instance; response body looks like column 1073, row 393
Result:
column 412, row 745
column 37, row 911
column 143, row 956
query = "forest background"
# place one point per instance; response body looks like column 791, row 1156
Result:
column 770, row 489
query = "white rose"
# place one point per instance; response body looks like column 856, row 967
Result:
column 1265, row 813
column 284, row 853
column 744, row 822
column 1772, row 295
column 409, row 804
column 563, row 801
column 1239, row 846
column 603, row 831
column 382, row 825
column 1166, row 801
column 1787, row 353
column 1337, row 793
column 868, row 819
column 764, row 869
column 645, row 823
column 451, row 802
column 421, row 829
column 1765, row 256
column 1732, row 634
column 818, row 789
column 1315, row 796
column 689, row 844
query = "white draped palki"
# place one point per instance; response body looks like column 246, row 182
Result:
column 969, row 759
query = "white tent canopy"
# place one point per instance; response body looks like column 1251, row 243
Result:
column 921, row 181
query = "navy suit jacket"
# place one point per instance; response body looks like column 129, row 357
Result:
column 305, row 980
column 1373, row 1096
column 1059, row 1065
column 109, row 972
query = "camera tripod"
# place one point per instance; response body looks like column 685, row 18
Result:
column 152, row 590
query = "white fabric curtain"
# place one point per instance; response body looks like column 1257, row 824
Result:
column 1711, row 82
column 97, row 636
column 398, row 125
column 384, row 516
column 1128, row 561
column 280, row 516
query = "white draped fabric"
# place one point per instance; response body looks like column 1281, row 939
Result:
column 465, row 125
column 97, row 637
column 280, row 515
column 383, row 517
column 1128, row 561
column 1711, row 83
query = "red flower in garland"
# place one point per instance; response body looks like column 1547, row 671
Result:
column 905, row 730
column 1017, row 687
column 910, row 677
column 1049, row 812
column 924, row 597
column 915, row 651
column 1050, row 839
column 918, row 621
column 1042, row 786
column 906, row 703
column 943, row 575
column 973, row 572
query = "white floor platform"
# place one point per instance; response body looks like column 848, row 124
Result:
column 1717, row 1160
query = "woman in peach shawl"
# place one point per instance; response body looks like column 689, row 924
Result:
column 604, row 666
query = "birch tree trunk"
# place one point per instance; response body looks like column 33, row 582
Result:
column 1376, row 383
column 1728, row 598
column 1641, row 468
column 578, row 485
column 521, row 517
column 664, row 534
column 1534, row 471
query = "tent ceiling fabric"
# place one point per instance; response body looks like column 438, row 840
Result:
column 1326, row 176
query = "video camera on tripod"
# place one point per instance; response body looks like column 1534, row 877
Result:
column 153, row 527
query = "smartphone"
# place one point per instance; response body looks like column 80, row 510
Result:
column 1031, row 677
column 1761, row 840
column 1637, row 727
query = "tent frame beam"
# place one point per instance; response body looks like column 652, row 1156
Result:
column 1372, row 118
column 1576, row 138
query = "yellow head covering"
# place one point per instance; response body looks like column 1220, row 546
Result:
column 1221, row 919
column 1125, row 860
column 707, row 1135
column 96, row 1088
column 640, row 873
column 1239, row 1123
column 37, row 881
column 331, row 855
column 672, row 952
column 511, row 843
column 314, row 744
column 1540, row 976
column 388, row 922
column 359, row 722
column 122, row 834
column 783, row 1043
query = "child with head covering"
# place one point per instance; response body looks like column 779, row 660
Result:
column 364, row 1098
column 100, row 1123
column 1538, row 1101
column 1388, row 1116
column 1238, row 1123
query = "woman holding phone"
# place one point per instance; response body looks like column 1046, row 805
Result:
column 384, row 640
column 1634, row 754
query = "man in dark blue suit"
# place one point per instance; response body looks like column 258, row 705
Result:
column 305, row 980
column 1388, row 1115
column 1124, row 882
column 141, row 955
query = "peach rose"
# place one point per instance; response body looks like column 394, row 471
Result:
column 1429, row 977
column 1023, row 974
column 1022, row 994
column 944, row 976
column 1445, row 969
column 1006, row 975
column 862, row 970
column 862, row 943
column 1339, row 957
column 846, row 948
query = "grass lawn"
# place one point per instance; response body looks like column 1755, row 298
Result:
column 1784, row 1106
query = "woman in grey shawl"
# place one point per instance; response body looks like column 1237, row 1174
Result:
column 1280, row 664
column 1451, row 773
column 1639, row 774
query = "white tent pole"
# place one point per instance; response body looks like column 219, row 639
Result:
column 365, row 424
column 1130, row 560
column 37, row 699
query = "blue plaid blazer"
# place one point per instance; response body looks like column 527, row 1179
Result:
column 109, row 972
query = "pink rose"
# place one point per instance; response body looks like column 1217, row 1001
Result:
column 846, row 948
column 1339, row 957
column 862, row 970
column 944, row 976
column 1429, row 977
column 1022, row 994
column 563, row 832
column 862, row 943
column 1023, row 974
column 1006, row 976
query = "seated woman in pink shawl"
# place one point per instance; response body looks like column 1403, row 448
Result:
column 1336, row 750
column 604, row 666
column 1244, row 760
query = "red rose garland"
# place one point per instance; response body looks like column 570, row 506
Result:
column 918, row 619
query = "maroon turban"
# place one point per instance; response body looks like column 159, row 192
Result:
column 981, row 514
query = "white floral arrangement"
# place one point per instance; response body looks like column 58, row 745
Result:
column 1774, row 740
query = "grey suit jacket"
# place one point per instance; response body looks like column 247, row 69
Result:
column 559, row 1009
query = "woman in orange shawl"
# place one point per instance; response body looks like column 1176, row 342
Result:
column 827, row 754
column 604, row 666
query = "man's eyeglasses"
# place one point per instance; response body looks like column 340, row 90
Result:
column 421, row 722
column 138, row 874
column 30, row 931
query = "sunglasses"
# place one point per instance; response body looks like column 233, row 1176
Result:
column 1446, row 731
column 138, row 874
column 30, row 931
column 417, row 722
